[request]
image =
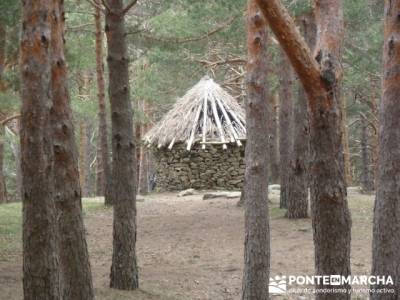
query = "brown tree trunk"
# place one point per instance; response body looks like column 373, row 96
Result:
column 40, row 272
column 321, row 80
column 124, row 270
column 375, row 135
column 386, row 232
column 3, row 188
column 16, row 148
column 143, row 167
column 297, row 204
column 83, row 158
column 345, row 140
column 3, row 37
column 105, row 177
column 285, row 125
column 138, row 138
column 366, row 180
column 273, row 150
column 99, row 169
column 257, row 239
column 76, row 279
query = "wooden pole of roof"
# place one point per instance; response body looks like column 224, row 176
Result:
column 236, row 118
column 191, row 139
column 228, row 129
column 205, row 108
column 228, row 120
column 171, row 144
column 217, row 120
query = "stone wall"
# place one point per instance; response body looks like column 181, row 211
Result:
column 211, row 168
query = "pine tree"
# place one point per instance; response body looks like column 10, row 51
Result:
column 257, row 239
column 386, row 236
column 40, row 272
column 321, row 78
column 124, row 269
column 297, row 198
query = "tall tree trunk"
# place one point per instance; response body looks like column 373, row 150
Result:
column 272, row 102
column 144, row 166
column 345, row 140
column 366, row 180
column 76, row 279
column 257, row 238
column 321, row 80
column 90, row 167
column 297, row 204
column 124, row 270
column 3, row 37
column 18, row 176
column 285, row 125
column 16, row 148
column 3, row 188
column 138, row 138
column 99, row 169
column 375, row 135
column 386, row 232
column 331, row 215
column 40, row 272
column 83, row 158
column 104, row 181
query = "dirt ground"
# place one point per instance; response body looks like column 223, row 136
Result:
column 189, row 248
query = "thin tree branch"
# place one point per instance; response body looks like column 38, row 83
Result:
column 6, row 120
column 370, row 123
column 196, row 38
column 106, row 5
column 96, row 5
column 78, row 27
column 294, row 46
column 128, row 7
column 222, row 62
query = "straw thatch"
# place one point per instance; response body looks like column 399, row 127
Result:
column 206, row 114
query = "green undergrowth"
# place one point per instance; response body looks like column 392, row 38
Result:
column 11, row 223
column 10, row 230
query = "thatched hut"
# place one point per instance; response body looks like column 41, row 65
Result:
column 200, row 142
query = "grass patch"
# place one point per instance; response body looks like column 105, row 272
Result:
column 275, row 212
column 94, row 205
column 10, row 230
column 11, row 223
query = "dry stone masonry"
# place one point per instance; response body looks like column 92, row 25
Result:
column 210, row 168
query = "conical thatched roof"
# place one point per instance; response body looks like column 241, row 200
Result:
column 206, row 114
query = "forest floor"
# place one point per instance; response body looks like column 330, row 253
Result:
column 188, row 248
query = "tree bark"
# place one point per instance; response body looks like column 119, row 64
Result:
column 345, row 138
column 375, row 135
column 366, row 180
column 83, row 158
column 3, row 188
column 144, row 164
column 138, row 138
column 124, row 270
column 40, row 261
column 297, row 201
column 99, row 169
column 285, row 125
column 16, row 148
column 273, row 150
column 321, row 79
column 76, row 279
column 386, row 232
column 257, row 238
column 104, row 182
column 3, row 37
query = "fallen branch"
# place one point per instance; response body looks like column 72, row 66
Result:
column 6, row 120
